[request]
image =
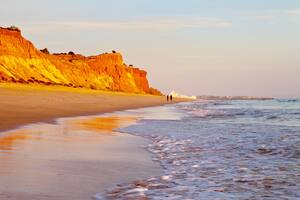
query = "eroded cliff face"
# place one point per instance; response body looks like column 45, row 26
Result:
column 21, row 62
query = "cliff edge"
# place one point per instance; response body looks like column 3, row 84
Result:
column 21, row 62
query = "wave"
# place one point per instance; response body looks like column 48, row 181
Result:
column 271, row 112
column 295, row 113
column 203, row 112
column 202, row 159
column 288, row 100
column 272, row 117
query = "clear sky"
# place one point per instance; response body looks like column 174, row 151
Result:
column 218, row 47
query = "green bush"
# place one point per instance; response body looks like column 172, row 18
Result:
column 14, row 28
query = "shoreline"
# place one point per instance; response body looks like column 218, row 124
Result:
column 64, row 160
column 76, row 158
column 26, row 104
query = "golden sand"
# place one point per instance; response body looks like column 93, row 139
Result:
column 23, row 104
column 75, row 159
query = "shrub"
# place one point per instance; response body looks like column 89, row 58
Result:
column 21, row 80
column 154, row 91
column 46, row 51
column 71, row 53
column 113, row 51
column 14, row 28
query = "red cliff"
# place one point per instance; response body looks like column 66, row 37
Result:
column 21, row 62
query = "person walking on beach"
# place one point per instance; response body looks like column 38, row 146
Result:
column 168, row 98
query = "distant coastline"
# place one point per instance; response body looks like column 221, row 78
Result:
column 208, row 97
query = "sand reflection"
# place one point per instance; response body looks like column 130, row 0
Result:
column 102, row 124
column 7, row 141
column 73, row 159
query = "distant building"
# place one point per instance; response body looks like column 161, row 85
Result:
column 177, row 95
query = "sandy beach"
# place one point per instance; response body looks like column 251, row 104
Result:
column 23, row 104
column 73, row 159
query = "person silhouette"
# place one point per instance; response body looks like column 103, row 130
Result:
column 171, row 98
column 167, row 97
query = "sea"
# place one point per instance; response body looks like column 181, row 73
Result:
column 232, row 149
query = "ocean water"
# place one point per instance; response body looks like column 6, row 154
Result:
column 219, row 150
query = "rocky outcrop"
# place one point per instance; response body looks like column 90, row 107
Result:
column 21, row 62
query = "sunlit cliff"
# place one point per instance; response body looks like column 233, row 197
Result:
column 21, row 62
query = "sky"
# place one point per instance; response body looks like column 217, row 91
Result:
column 195, row 47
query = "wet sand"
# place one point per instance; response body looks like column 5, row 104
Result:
column 74, row 159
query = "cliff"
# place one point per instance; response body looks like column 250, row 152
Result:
column 21, row 62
